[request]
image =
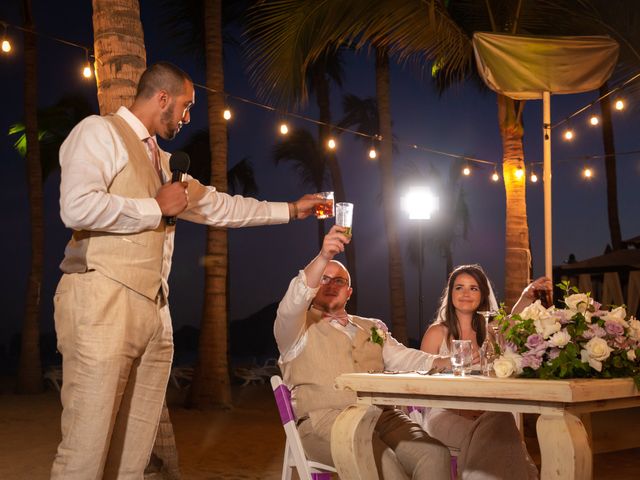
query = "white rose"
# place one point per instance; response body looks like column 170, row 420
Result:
column 631, row 355
column 547, row 326
column 560, row 339
column 535, row 311
column 634, row 328
column 504, row 367
column 616, row 315
column 514, row 357
column 595, row 351
column 593, row 363
column 578, row 302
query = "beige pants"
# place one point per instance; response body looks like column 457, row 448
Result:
column 117, row 347
column 401, row 448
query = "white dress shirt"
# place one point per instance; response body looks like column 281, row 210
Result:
column 291, row 335
column 93, row 154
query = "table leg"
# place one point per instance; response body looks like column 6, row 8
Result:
column 351, row 442
column 564, row 448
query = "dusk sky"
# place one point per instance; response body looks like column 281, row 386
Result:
column 463, row 121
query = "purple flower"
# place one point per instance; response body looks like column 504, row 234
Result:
column 534, row 341
column 594, row 331
column 531, row 361
column 614, row 328
column 564, row 316
column 554, row 353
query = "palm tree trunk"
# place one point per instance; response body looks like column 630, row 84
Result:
column 211, row 385
column 517, row 253
column 610, row 168
column 396, row 274
column 30, row 367
column 324, row 108
column 119, row 50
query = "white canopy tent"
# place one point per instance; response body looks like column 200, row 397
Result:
column 528, row 67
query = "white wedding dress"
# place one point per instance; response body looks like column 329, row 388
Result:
column 490, row 445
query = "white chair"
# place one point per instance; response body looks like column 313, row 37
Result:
column 294, row 456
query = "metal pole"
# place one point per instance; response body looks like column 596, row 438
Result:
column 546, row 176
column 420, row 297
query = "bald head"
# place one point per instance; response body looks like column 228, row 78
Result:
column 162, row 76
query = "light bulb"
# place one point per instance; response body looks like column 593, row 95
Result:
column 372, row 153
column 6, row 46
column 495, row 177
column 284, row 129
column 519, row 173
column 534, row 177
column 587, row 172
column 568, row 135
column 226, row 114
column 331, row 144
column 619, row 105
column 594, row 120
column 466, row 171
column 86, row 71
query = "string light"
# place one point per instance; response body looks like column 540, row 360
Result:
column 534, row 177
column 466, row 171
column 6, row 45
column 86, row 71
column 587, row 173
column 519, row 173
column 568, row 134
column 284, row 128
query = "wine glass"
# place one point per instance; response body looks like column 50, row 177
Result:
column 487, row 349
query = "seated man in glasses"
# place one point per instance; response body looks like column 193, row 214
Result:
column 318, row 341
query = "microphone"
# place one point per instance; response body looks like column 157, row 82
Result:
column 179, row 165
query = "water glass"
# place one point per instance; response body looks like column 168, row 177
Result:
column 344, row 216
column 325, row 209
column 461, row 357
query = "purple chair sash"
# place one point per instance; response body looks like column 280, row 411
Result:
column 283, row 400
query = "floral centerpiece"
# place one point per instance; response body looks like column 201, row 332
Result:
column 582, row 340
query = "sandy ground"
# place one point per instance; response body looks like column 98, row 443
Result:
column 244, row 443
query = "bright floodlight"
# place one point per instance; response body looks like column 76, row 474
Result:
column 6, row 46
column 284, row 129
column 419, row 203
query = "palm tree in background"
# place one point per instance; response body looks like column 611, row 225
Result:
column 30, row 366
column 300, row 149
column 289, row 35
column 623, row 24
column 120, row 52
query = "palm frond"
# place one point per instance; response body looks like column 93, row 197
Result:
column 285, row 36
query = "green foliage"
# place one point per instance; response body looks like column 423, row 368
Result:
column 376, row 337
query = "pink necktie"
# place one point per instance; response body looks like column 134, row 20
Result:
column 155, row 155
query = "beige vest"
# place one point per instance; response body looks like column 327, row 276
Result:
column 328, row 353
column 135, row 260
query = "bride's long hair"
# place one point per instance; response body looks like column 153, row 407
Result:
column 446, row 313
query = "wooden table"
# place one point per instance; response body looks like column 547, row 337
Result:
column 564, row 440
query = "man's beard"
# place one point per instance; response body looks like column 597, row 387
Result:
column 166, row 119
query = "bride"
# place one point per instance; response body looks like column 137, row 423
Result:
column 489, row 442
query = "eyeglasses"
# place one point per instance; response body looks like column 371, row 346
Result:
column 337, row 281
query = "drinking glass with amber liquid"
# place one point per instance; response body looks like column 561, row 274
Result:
column 325, row 209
